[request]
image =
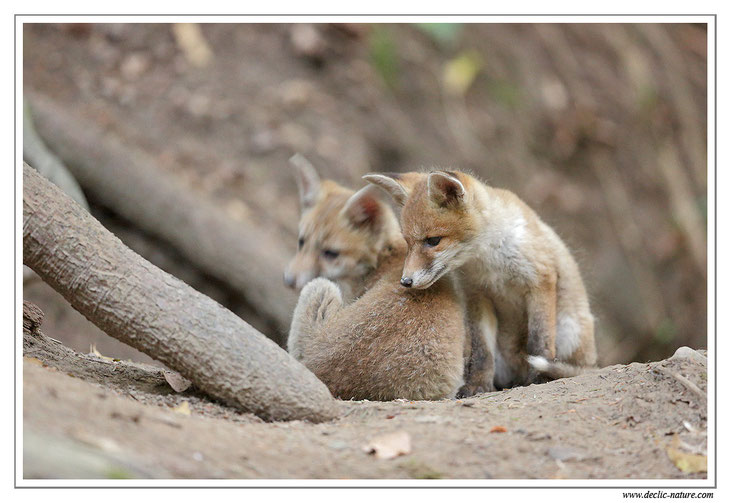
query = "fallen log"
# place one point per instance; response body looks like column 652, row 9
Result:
column 141, row 305
column 248, row 258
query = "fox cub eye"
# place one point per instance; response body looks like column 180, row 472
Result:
column 330, row 254
column 300, row 243
column 431, row 242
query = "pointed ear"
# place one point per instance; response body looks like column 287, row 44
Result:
column 364, row 208
column 308, row 181
column 389, row 183
column 445, row 189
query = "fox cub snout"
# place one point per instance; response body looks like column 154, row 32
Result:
column 503, row 253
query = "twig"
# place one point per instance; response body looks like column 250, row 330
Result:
column 682, row 380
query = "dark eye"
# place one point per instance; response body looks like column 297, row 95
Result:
column 330, row 254
column 432, row 241
column 300, row 243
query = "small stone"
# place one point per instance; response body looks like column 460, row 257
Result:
column 307, row 41
column 429, row 419
column 337, row 445
column 684, row 352
column 134, row 65
column 561, row 453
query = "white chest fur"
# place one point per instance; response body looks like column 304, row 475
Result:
column 498, row 260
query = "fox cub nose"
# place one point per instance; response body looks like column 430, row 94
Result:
column 407, row 282
column 289, row 280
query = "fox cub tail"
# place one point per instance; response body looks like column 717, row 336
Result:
column 319, row 300
column 554, row 369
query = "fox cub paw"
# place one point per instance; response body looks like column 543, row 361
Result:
column 322, row 297
column 469, row 390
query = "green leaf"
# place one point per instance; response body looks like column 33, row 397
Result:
column 460, row 72
column 383, row 55
column 444, row 34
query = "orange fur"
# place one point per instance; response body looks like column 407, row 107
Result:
column 505, row 255
column 382, row 342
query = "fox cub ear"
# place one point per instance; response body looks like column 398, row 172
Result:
column 389, row 183
column 308, row 181
column 445, row 189
column 364, row 208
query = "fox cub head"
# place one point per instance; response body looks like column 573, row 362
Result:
column 436, row 221
column 341, row 232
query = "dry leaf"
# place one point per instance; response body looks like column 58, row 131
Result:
column 183, row 408
column 33, row 360
column 686, row 462
column 389, row 446
column 102, row 443
column 194, row 46
column 95, row 352
column 498, row 429
column 176, row 381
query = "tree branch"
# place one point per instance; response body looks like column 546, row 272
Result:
column 248, row 258
column 139, row 304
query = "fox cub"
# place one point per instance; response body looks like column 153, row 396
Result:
column 503, row 253
column 389, row 342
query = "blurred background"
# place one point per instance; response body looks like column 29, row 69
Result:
column 601, row 128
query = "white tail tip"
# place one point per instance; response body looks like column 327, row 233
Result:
column 539, row 363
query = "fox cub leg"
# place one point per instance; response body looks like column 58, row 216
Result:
column 480, row 353
column 541, row 310
column 319, row 301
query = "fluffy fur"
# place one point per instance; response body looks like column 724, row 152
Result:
column 390, row 343
column 503, row 254
column 378, row 341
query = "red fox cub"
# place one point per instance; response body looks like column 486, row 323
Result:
column 503, row 252
column 389, row 342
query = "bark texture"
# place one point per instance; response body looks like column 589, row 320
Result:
column 250, row 259
column 141, row 305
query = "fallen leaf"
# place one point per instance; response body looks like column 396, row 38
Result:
column 686, row 462
column 498, row 429
column 103, row 443
column 389, row 446
column 193, row 44
column 33, row 360
column 176, row 381
column 95, row 352
column 183, row 408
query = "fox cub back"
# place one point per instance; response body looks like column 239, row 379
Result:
column 389, row 342
column 503, row 253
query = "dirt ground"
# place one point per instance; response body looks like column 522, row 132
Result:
column 88, row 416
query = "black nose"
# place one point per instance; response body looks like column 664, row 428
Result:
column 407, row 282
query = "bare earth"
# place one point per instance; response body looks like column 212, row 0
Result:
column 91, row 417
